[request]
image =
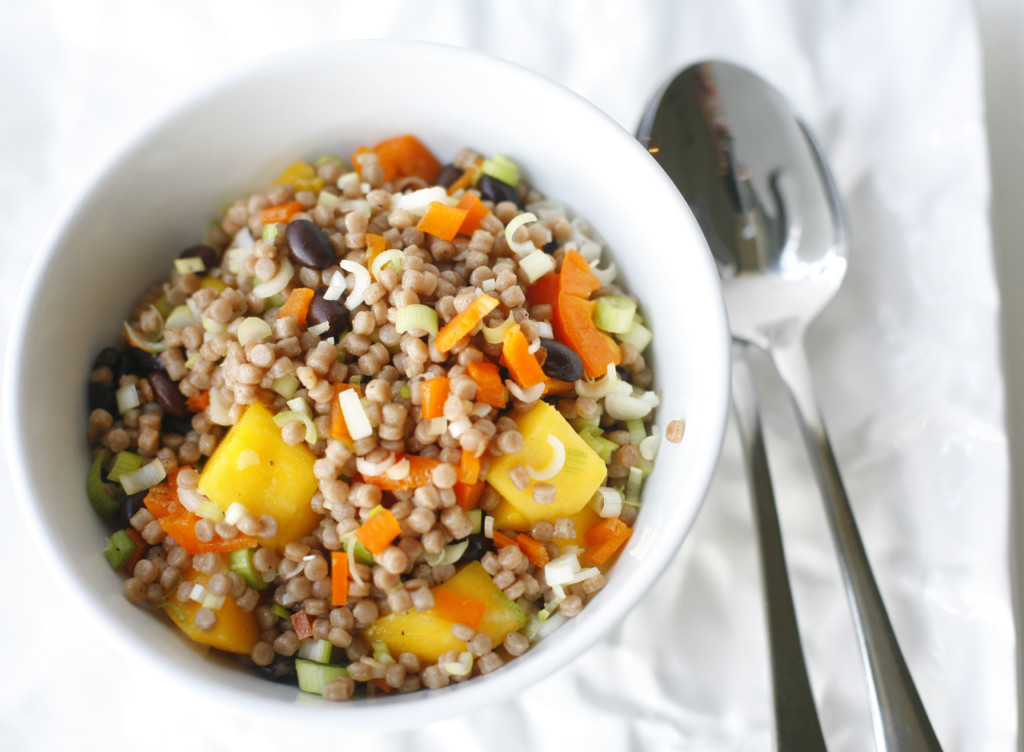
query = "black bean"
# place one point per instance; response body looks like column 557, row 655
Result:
column 331, row 311
column 205, row 252
column 449, row 174
column 561, row 361
column 308, row 245
column 281, row 669
column 496, row 190
column 103, row 397
column 136, row 362
column 167, row 394
column 551, row 246
column 106, row 359
column 130, row 505
column 175, row 424
column 479, row 544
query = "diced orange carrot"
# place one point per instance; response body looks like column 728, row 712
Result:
column 574, row 327
column 375, row 245
column 475, row 212
column 297, row 304
column 434, row 393
column 339, row 429
column 533, row 549
column 378, row 531
column 420, row 469
column 458, row 608
column 339, row 578
column 467, row 178
column 604, row 538
column 402, row 157
column 467, row 495
column 162, row 499
column 441, row 220
column 517, row 358
column 462, row 323
column 198, row 402
column 575, row 276
column 501, row 540
column 489, row 388
column 280, row 212
column 469, row 467
column 302, row 624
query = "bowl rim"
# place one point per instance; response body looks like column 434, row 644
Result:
column 455, row 700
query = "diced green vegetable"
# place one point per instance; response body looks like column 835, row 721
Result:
column 124, row 462
column 604, row 447
column 634, row 482
column 637, row 431
column 313, row 676
column 502, row 168
column 119, row 549
column 315, row 650
column 361, row 552
column 614, row 313
column 639, row 336
column 241, row 563
column 144, row 478
column 281, row 611
column 105, row 504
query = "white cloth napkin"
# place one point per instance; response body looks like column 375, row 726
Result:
column 905, row 361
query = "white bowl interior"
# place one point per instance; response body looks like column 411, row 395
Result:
column 157, row 197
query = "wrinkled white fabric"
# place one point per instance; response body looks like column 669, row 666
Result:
column 906, row 363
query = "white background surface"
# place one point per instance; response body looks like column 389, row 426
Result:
column 907, row 360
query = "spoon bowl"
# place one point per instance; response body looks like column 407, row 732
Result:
column 763, row 194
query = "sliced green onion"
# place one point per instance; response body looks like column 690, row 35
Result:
column 392, row 257
column 381, row 652
column 461, row 667
column 190, row 265
column 600, row 388
column 605, row 276
column 330, row 159
column 99, row 494
column 649, row 446
column 277, row 283
column 604, row 447
column 240, row 562
column 614, row 313
column 405, row 392
column 318, row 651
column 363, row 281
column 634, row 482
column 536, row 264
column 124, row 462
column 275, row 301
column 136, row 339
column 556, row 463
column 416, row 316
column 520, row 248
column 213, row 326
column 180, row 316
column 621, row 404
column 476, row 516
column 448, row 555
column 355, row 416
column 360, row 552
column 127, row 398
column 638, row 335
column 144, row 478
column 286, row 385
column 210, row 511
column 285, row 417
column 313, row 676
column 496, row 334
column 299, row 405
column 328, row 199
column 501, row 168
column 418, row 201
column 251, row 329
column 637, row 431
column 280, row 611
column 608, row 502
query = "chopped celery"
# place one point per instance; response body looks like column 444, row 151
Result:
column 240, row 562
column 634, row 482
column 315, row 650
column 105, row 504
column 281, row 611
column 144, row 478
column 614, row 313
column 381, row 652
column 639, row 336
column 313, row 676
column 476, row 516
column 124, row 462
column 119, row 549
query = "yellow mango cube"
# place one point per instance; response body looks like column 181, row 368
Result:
column 428, row 636
column 576, row 482
column 236, row 631
column 254, row 466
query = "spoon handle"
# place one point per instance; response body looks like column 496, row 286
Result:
column 898, row 714
column 797, row 728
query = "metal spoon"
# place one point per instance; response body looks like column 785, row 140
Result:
column 732, row 143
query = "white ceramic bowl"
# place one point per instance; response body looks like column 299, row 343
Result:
column 156, row 197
